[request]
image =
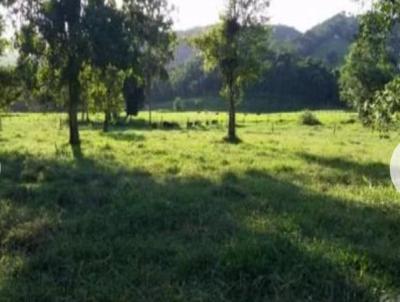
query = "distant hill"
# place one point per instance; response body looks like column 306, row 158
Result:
column 285, row 37
column 328, row 41
column 184, row 52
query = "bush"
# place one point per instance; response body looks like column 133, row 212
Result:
column 309, row 119
column 179, row 104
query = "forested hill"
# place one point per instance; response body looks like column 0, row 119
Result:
column 285, row 36
column 328, row 41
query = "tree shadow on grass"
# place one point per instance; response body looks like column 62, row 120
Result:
column 83, row 230
column 139, row 124
column 121, row 125
column 363, row 228
column 143, row 125
column 375, row 172
column 121, row 136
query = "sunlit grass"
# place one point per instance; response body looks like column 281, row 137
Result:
column 293, row 213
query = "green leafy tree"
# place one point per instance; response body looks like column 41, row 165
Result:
column 151, row 20
column 236, row 47
column 387, row 104
column 293, row 82
column 190, row 80
column 9, row 85
column 103, row 91
column 59, row 25
column 74, row 33
column 372, row 65
column 3, row 42
column 41, row 81
column 367, row 68
column 133, row 95
column 111, row 52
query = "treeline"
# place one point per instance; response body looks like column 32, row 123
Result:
column 303, row 70
column 289, row 82
column 87, row 56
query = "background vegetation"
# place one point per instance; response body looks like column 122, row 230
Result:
column 302, row 73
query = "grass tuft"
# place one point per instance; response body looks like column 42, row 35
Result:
column 308, row 118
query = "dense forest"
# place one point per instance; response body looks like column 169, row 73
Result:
column 302, row 71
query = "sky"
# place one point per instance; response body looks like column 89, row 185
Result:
column 301, row 14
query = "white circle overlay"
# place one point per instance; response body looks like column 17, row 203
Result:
column 395, row 168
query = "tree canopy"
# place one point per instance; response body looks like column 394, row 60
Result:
column 369, row 79
column 62, row 38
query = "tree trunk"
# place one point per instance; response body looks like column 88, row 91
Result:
column 107, row 119
column 232, row 120
column 147, row 92
column 73, row 69
column 232, row 110
column 85, row 112
column 150, row 113
column 74, row 92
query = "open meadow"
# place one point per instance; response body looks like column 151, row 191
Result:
column 293, row 213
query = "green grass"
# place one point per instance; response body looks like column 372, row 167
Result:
column 293, row 213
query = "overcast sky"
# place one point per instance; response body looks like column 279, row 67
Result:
column 301, row 14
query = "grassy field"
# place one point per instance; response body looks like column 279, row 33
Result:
column 294, row 213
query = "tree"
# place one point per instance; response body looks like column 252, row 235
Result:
column 111, row 52
column 3, row 42
column 10, row 84
column 103, row 91
column 134, row 95
column 153, row 23
column 364, row 74
column 40, row 80
column 58, row 23
column 61, row 26
column 190, row 80
column 369, row 66
column 236, row 47
column 387, row 105
column 74, row 33
column 293, row 82
column 9, row 87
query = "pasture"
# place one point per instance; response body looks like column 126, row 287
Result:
column 293, row 213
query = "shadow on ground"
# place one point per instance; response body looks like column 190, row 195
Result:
column 122, row 136
column 161, row 125
column 377, row 173
column 83, row 231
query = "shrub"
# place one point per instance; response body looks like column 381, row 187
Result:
column 309, row 119
column 179, row 104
